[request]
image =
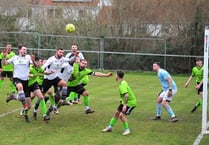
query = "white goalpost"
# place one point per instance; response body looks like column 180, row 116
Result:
column 205, row 83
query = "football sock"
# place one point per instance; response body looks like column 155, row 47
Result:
column 15, row 97
column 37, row 104
column 72, row 96
column 43, row 106
column 158, row 109
column 125, row 124
column 169, row 110
column 197, row 104
column 112, row 122
column 25, row 111
column 21, row 97
column 200, row 102
column 86, row 107
column 46, row 98
column 52, row 101
column 86, row 101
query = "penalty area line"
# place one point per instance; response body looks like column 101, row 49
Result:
column 7, row 113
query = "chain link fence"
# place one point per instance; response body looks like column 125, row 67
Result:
column 109, row 53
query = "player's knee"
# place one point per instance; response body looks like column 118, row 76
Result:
column 116, row 115
column 62, row 83
column 19, row 87
column 85, row 93
column 122, row 116
column 164, row 103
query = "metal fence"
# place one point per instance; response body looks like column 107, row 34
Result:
column 110, row 53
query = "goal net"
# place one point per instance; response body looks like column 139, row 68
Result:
column 205, row 122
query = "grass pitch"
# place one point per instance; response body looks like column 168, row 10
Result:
column 73, row 126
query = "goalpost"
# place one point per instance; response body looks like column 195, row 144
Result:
column 205, row 83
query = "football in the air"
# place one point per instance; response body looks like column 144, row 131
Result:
column 70, row 28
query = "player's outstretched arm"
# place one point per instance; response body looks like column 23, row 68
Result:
column 100, row 74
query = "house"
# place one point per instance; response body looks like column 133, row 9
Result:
column 68, row 8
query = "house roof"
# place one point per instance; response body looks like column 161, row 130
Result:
column 65, row 2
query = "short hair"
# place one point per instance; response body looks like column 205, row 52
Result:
column 37, row 58
column 83, row 60
column 59, row 49
column 20, row 46
column 198, row 58
column 120, row 74
column 158, row 63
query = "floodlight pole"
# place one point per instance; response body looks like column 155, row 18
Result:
column 205, row 82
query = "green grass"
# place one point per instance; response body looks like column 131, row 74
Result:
column 74, row 127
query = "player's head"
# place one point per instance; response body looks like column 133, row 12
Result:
column 198, row 62
column 83, row 63
column 156, row 66
column 41, row 61
column 8, row 47
column 119, row 75
column 38, row 61
column 44, row 61
column 22, row 50
column 74, row 49
column 59, row 53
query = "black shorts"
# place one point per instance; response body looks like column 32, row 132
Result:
column 33, row 87
column 128, row 109
column 79, row 89
column 24, row 84
column 40, row 87
column 200, row 89
column 49, row 83
column 8, row 74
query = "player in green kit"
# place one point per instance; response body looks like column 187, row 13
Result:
column 35, row 72
column 33, row 86
column 197, row 72
column 73, row 97
column 128, row 103
column 7, row 70
column 80, row 70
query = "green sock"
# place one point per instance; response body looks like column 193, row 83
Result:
column 51, row 99
column 25, row 111
column 43, row 106
column 200, row 101
column 12, row 87
column 112, row 121
column 1, row 82
column 72, row 95
column 125, row 124
column 86, row 101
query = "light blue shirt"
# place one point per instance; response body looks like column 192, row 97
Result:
column 162, row 75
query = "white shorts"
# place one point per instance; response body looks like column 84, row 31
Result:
column 164, row 95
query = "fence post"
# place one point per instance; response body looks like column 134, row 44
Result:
column 101, row 53
column 39, row 43
column 165, row 51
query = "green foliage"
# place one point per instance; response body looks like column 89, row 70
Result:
column 7, row 23
column 73, row 126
